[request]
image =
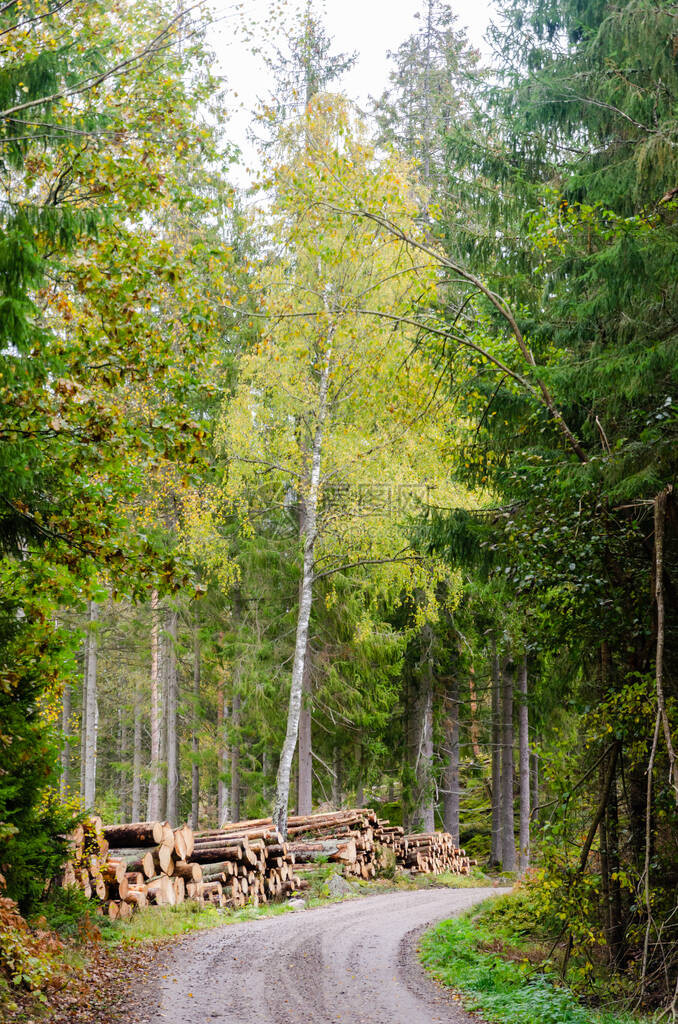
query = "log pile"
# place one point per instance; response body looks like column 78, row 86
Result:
column 127, row 867
column 431, row 853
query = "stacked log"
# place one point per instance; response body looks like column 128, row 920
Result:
column 150, row 861
column 244, row 861
column 346, row 837
column 126, row 867
column 431, row 853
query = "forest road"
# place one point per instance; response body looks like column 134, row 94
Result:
column 348, row 963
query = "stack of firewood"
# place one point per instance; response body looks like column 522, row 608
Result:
column 129, row 866
column 431, row 853
column 149, row 862
column 244, row 861
column 132, row 865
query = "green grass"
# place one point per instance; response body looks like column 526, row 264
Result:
column 460, row 954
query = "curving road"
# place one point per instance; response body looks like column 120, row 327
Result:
column 348, row 963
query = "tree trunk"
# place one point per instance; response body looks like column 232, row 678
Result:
column 123, row 759
column 223, row 757
column 616, row 918
column 359, row 789
column 604, row 866
column 524, row 757
column 266, row 769
column 452, row 792
column 235, row 757
column 83, row 725
column 64, row 781
column 173, row 784
column 473, row 712
column 305, row 755
column 495, row 852
column 154, row 784
column 280, row 809
column 508, row 842
column 336, row 778
column 195, row 725
column 659, row 530
column 136, row 780
column 162, row 687
column 534, row 776
column 92, row 708
column 424, row 810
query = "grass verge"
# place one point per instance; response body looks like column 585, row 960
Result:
column 466, row 955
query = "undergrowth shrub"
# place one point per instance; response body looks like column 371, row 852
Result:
column 27, row 957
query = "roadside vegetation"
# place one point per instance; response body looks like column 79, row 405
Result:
column 505, row 959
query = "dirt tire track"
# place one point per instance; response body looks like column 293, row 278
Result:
column 348, row 963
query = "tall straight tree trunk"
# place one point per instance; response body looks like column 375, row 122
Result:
column 83, row 725
column 524, row 760
column 173, row 783
column 508, row 842
column 305, row 753
column 266, row 772
column 223, row 757
column 235, row 757
column 424, row 810
column 616, row 932
column 123, row 762
column 136, row 779
column 452, row 793
column 473, row 712
column 154, row 783
column 162, row 686
column 336, row 778
column 359, row 789
column 65, row 779
column 495, row 852
column 282, row 795
column 195, row 723
column 92, row 708
column 534, row 775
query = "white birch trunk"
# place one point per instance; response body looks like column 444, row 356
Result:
column 154, row 784
column 524, row 746
column 280, row 809
column 305, row 753
column 92, row 709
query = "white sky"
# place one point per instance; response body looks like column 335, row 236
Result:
column 372, row 27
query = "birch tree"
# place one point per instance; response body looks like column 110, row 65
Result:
column 333, row 417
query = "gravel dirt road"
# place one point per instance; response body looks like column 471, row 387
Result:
column 348, row 963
